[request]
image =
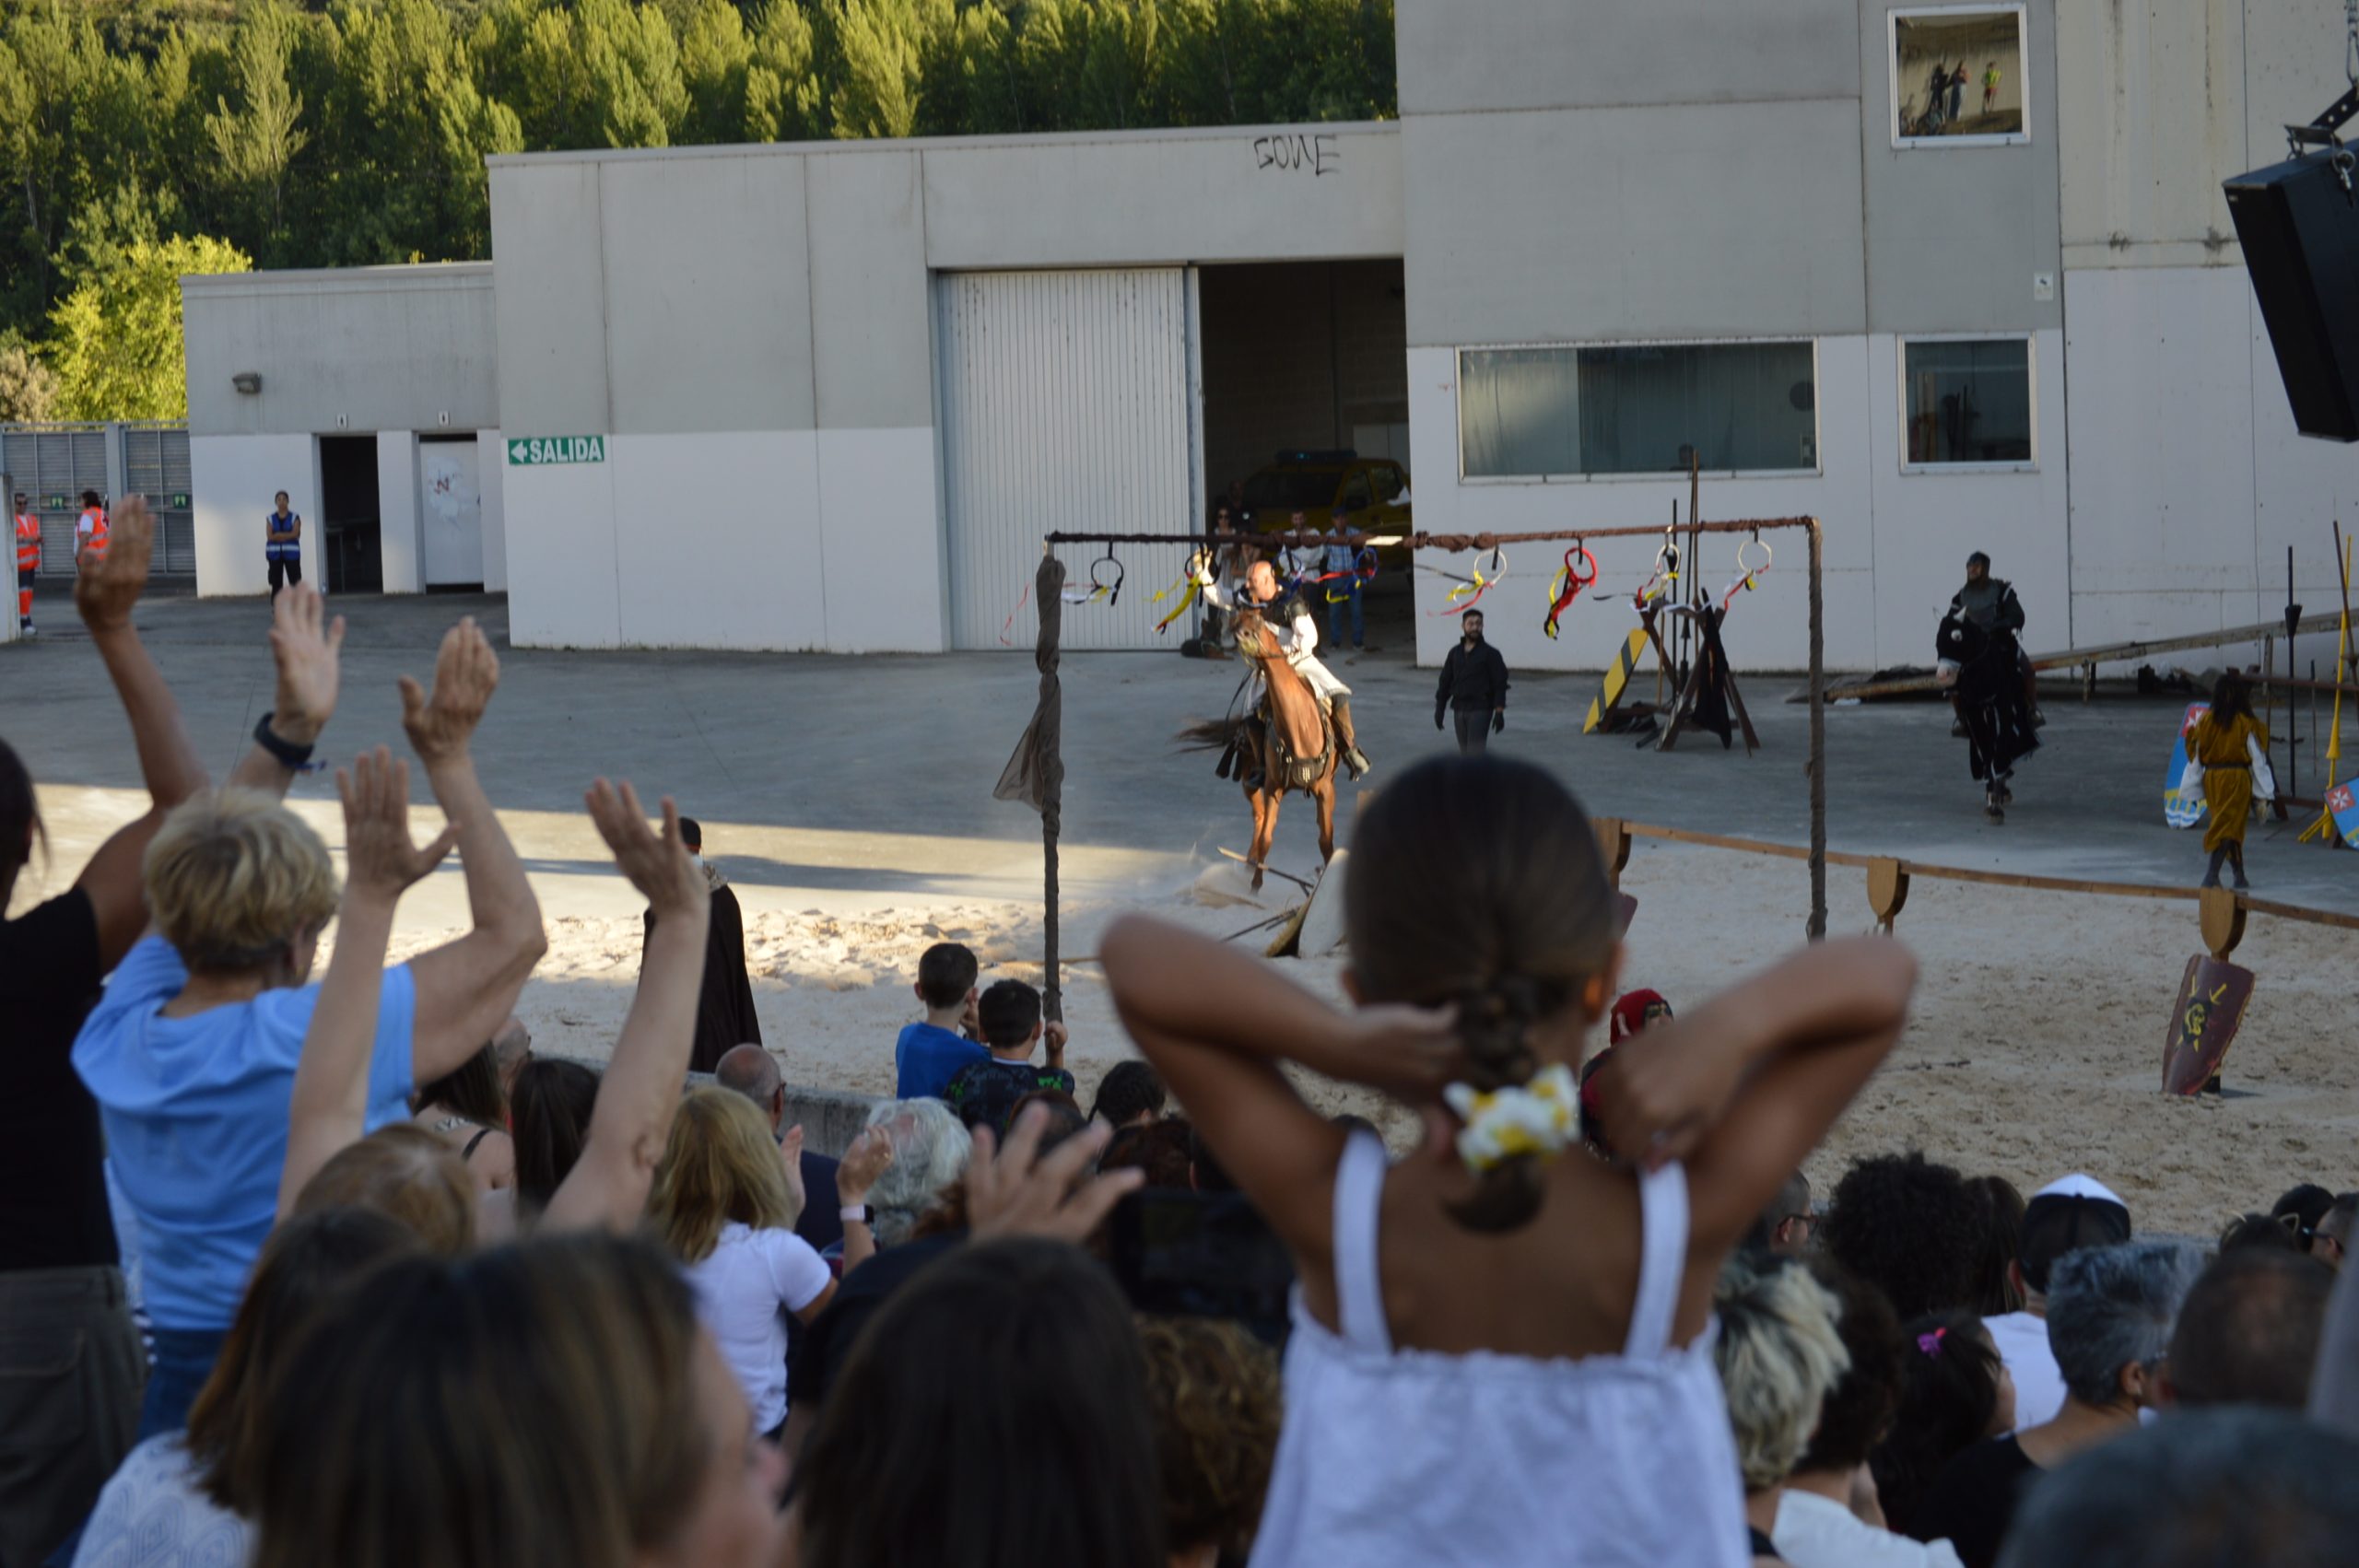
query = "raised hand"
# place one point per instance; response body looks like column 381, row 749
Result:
column 789, row 1159
column 1018, row 1191
column 307, row 650
column 380, row 858
column 1660, row 1102
column 465, row 673
column 106, row 587
column 662, row 869
column 1408, row 1052
column 862, row 1163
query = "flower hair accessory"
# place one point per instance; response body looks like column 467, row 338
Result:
column 1534, row 1120
column 1931, row 1344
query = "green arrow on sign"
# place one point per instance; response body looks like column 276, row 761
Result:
column 539, row 451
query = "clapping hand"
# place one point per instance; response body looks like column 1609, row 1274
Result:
column 465, row 673
column 862, row 1163
column 107, row 586
column 1020, row 1191
column 790, row 1159
column 662, row 869
column 380, row 858
column 307, row 647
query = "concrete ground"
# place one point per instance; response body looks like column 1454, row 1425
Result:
column 851, row 781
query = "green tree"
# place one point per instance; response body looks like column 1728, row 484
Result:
column 879, row 48
column 972, row 84
column 28, row 387
column 116, row 340
column 255, row 145
column 785, row 100
column 715, row 57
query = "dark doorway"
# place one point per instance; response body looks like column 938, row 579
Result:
column 349, row 514
column 1305, row 376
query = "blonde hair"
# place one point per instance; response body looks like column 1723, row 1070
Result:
column 1779, row 1356
column 408, row 1174
column 721, row 1163
column 233, row 876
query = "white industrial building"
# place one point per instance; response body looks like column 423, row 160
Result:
column 829, row 396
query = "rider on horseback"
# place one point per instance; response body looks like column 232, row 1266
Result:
column 1290, row 620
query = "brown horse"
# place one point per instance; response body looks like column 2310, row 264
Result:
column 1291, row 748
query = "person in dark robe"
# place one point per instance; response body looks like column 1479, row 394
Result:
column 725, row 1004
column 1981, row 663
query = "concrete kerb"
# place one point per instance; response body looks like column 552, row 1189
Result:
column 830, row 1118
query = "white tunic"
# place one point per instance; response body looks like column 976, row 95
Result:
column 1298, row 639
column 1392, row 1458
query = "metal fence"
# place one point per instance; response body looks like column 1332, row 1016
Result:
column 53, row 465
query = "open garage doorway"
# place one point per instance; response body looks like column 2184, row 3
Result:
column 1305, row 405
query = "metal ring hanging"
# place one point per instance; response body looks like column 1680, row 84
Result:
column 1568, row 585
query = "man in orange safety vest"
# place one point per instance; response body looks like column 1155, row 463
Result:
column 90, row 528
column 28, row 561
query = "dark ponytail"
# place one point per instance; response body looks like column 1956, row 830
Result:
column 1494, row 1029
column 1478, row 881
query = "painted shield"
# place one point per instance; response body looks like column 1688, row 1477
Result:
column 2178, row 810
column 2210, row 1005
column 2343, row 806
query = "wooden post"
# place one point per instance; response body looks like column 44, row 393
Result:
column 1614, row 845
column 2223, row 917
column 1048, row 595
column 1887, row 890
column 1817, row 928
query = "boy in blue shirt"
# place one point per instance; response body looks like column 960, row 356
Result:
column 929, row 1055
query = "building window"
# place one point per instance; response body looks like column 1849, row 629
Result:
column 1957, row 77
column 1638, row 409
column 1967, row 401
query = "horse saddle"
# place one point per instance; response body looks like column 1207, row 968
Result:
column 1296, row 772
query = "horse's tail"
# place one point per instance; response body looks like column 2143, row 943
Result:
column 1210, row 734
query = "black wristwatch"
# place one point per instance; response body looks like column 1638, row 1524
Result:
column 290, row 756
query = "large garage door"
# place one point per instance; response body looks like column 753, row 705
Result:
column 1069, row 401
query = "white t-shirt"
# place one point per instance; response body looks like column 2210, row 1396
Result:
column 743, row 1290
column 1818, row 1532
column 2022, row 1345
column 152, row 1515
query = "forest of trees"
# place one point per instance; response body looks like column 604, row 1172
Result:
column 140, row 139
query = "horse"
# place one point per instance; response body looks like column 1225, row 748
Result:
column 1294, row 743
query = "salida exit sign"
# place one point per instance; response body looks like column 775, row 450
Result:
column 540, row 452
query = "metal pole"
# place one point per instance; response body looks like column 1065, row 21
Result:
column 1817, row 930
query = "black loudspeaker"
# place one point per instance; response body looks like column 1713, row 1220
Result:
column 2298, row 222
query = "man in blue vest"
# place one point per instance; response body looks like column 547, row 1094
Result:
column 282, row 544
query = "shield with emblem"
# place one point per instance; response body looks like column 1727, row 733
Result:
column 2212, row 996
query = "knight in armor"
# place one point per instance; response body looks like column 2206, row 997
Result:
column 1290, row 619
column 1982, row 663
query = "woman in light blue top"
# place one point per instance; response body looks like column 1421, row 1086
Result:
column 191, row 1054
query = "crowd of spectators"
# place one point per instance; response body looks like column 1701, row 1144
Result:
column 393, row 1291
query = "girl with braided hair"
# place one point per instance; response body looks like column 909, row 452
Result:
column 1499, row 1348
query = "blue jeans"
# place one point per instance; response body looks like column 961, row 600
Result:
column 1340, row 594
column 184, row 1359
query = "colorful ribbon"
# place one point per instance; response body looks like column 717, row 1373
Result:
column 1535, row 1120
column 1567, row 585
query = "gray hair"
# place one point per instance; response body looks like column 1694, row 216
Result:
column 2197, row 1488
column 929, row 1150
column 2114, row 1306
column 1779, row 1356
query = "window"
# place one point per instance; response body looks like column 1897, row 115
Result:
column 1957, row 77
column 1637, row 408
column 1966, row 401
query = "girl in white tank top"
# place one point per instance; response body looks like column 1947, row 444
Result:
column 1501, row 1349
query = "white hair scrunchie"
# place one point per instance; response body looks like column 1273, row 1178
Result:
column 1536, row 1119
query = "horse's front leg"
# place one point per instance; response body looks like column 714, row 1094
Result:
column 1258, row 852
column 1325, row 797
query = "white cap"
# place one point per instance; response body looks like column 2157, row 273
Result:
column 2080, row 1185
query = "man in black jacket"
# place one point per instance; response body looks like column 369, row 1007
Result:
column 1474, row 686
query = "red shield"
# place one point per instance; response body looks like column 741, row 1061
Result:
column 2211, row 1003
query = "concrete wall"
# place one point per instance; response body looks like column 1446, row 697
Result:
column 769, row 383
column 2189, row 482
column 232, row 479
column 370, row 348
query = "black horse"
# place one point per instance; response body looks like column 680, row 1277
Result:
column 1990, row 702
